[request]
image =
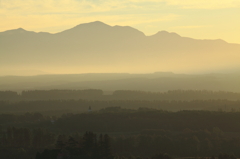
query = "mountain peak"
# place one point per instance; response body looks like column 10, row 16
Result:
column 97, row 28
column 86, row 27
column 21, row 29
column 97, row 22
column 93, row 24
column 165, row 33
column 15, row 31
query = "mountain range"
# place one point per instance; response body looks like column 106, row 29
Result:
column 98, row 47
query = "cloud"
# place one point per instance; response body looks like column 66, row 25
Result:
column 205, row 4
column 37, row 14
column 196, row 4
column 191, row 27
column 60, row 6
column 87, row 6
column 57, row 15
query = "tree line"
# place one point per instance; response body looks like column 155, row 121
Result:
column 95, row 94
column 132, row 133
column 117, row 119
column 24, row 143
column 58, row 107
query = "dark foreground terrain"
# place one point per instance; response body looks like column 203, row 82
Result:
column 87, row 124
column 143, row 133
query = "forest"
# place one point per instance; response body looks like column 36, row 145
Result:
column 124, row 125
column 97, row 94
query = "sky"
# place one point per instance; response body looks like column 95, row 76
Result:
column 199, row 19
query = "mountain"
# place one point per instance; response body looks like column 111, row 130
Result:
column 98, row 47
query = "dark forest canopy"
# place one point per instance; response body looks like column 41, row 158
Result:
column 58, row 107
column 183, row 123
column 116, row 119
column 131, row 133
column 61, row 101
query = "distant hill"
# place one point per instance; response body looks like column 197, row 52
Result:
column 98, row 47
column 109, row 82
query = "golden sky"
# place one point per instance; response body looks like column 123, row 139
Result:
column 200, row 19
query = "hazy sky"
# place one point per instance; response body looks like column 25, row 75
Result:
column 201, row 19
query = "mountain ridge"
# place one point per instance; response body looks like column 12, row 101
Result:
column 99, row 23
column 98, row 47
